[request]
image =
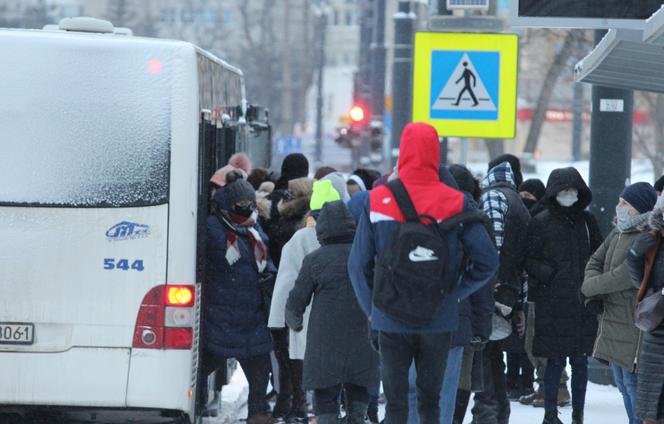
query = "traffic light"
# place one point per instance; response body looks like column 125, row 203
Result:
column 359, row 116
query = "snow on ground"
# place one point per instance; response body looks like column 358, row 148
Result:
column 604, row 405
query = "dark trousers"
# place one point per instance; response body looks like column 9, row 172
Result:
column 292, row 399
column 554, row 370
column 257, row 371
column 492, row 405
column 326, row 400
column 520, row 371
column 397, row 353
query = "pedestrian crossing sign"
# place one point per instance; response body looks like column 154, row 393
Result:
column 465, row 84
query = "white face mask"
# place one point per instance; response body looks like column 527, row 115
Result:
column 622, row 216
column 568, row 197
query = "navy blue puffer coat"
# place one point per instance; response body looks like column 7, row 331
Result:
column 235, row 318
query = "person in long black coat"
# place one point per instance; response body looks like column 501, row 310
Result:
column 338, row 351
column 561, row 239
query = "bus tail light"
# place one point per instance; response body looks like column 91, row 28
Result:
column 166, row 318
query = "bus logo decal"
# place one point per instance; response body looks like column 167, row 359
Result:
column 127, row 231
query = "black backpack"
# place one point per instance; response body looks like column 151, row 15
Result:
column 415, row 274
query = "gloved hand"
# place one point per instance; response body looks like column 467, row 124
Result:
column 594, row 306
column 477, row 343
column 519, row 321
column 643, row 244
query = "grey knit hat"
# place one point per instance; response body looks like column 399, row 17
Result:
column 240, row 190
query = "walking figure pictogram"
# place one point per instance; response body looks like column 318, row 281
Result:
column 466, row 76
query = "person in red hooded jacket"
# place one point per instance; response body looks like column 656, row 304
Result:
column 400, row 343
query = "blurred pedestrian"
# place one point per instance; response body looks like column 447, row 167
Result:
column 338, row 354
column 532, row 191
column 659, row 185
column 474, row 324
column 237, row 256
column 402, row 340
column 362, row 180
column 258, row 176
column 609, row 289
column 509, row 218
column 303, row 242
column 645, row 260
column 560, row 241
column 323, row 171
column 282, row 213
column 241, row 160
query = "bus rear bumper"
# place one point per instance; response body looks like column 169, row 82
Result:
column 87, row 377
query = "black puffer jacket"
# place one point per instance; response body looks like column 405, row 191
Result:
column 338, row 349
column 560, row 242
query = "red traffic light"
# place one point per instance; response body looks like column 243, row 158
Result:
column 357, row 114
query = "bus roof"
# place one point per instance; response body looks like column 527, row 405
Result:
column 48, row 34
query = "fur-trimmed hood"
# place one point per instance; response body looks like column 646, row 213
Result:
column 291, row 203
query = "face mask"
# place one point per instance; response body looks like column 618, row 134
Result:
column 247, row 211
column 622, row 216
column 567, row 198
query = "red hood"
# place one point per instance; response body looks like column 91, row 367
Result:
column 419, row 154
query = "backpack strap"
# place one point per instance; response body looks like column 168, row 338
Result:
column 403, row 200
column 465, row 217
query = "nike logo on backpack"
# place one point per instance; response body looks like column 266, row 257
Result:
column 421, row 254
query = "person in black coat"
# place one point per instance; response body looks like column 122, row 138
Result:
column 338, row 351
column 561, row 239
column 235, row 318
column 650, row 381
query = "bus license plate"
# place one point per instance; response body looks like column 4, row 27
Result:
column 17, row 333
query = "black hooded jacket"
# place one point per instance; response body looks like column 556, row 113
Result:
column 560, row 242
column 338, row 349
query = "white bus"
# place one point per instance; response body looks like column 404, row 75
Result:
column 107, row 142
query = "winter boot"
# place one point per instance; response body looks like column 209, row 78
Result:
column 213, row 407
column 577, row 417
column 551, row 417
column 563, row 395
column 535, row 399
column 260, row 419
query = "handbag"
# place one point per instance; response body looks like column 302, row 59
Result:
column 649, row 312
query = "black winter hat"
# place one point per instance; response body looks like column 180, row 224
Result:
column 642, row 196
column 465, row 180
column 368, row 176
column 533, row 186
column 514, row 162
column 659, row 184
column 239, row 191
column 294, row 166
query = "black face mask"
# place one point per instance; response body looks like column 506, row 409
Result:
column 529, row 202
column 244, row 211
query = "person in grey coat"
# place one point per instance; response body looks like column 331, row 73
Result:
column 338, row 353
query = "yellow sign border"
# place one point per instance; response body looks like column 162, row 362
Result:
column 506, row 44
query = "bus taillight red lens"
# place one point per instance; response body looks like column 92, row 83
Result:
column 180, row 295
column 178, row 338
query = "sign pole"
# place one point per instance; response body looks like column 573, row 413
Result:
column 610, row 147
column 404, row 24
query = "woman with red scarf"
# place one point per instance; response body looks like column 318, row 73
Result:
column 235, row 313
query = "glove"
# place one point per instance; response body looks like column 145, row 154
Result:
column 643, row 244
column 594, row 306
column 477, row 343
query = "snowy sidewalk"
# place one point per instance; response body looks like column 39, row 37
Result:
column 604, row 405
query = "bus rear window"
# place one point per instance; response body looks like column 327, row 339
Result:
column 84, row 122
